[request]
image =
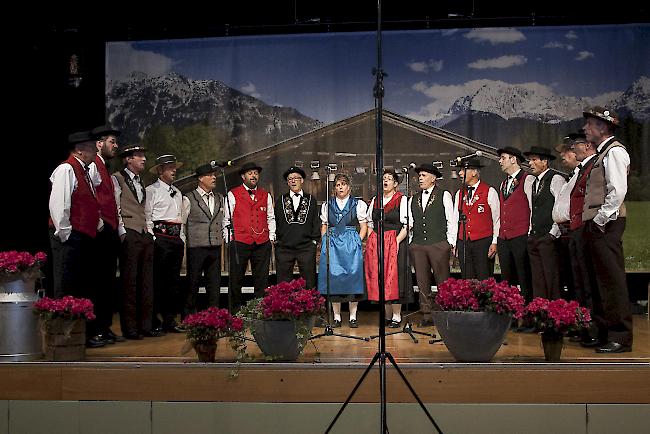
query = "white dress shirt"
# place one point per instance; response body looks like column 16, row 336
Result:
column 617, row 165
column 403, row 210
column 447, row 203
column 495, row 208
column 562, row 205
column 557, row 182
column 118, row 192
column 208, row 198
column 295, row 198
column 229, row 205
column 64, row 183
column 160, row 205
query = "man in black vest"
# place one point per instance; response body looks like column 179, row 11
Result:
column 604, row 215
column 431, row 217
column 204, row 216
column 297, row 229
column 544, row 232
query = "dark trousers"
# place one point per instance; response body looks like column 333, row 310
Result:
column 202, row 260
column 566, row 271
column 477, row 264
column 136, row 270
column 513, row 259
column 73, row 270
column 605, row 251
column 426, row 258
column 544, row 266
column 167, row 262
column 259, row 255
column 108, row 245
column 584, row 279
column 285, row 258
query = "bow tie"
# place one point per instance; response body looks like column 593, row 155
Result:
column 425, row 192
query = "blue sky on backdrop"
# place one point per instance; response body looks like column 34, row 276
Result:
column 328, row 76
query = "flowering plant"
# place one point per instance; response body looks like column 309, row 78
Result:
column 207, row 326
column 286, row 300
column 67, row 307
column 557, row 316
column 471, row 295
column 14, row 263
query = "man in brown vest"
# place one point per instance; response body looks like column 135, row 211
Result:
column 136, row 253
column 604, row 216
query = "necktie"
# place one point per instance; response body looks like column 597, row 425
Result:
column 208, row 197
column 136, row 179
column 172, row 192
column 470, row 194
column 90, row 183
column 535, row 185
column 509, row 183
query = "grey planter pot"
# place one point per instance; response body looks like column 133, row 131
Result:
column 277, row 339
column 472, row 336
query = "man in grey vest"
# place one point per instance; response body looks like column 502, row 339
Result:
column 543, row 247
column 203, row 233
column 136, row 250
column 604, row 216
column 431, row 218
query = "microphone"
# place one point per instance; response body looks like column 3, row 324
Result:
column 413, row 165
column 458, row 160
column 215, row 163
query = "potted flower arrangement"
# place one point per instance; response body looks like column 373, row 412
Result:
column 282, row 320
column 20, row 266
column 555, row 318
column 205, row 328
column 64, row 326
column 474, row 316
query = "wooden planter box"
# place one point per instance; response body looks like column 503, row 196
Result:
column 64, row 340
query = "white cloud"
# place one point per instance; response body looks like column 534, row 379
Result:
column 605, row 99
column 501, row 62
column 584, row 55
column 496, row 35
column 123, row 60
column 571, row 35
column 556, row 44
column 250, row 89
column 449, row 32
column 426, row 66
column 443, row 96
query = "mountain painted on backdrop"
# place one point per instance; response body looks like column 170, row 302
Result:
column 538, row 103
column 238, row 123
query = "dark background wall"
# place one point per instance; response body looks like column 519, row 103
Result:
column 41, row 106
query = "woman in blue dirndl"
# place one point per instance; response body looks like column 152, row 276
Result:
column 346, row 277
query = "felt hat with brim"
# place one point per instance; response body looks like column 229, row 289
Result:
column 598, row 112
column 544, row 153
column 126, row 150
column 205, row 169
column 81, row 139
column 510, row 150
column 429, row 168
column 294, row 169
column 472, row 163
column 249, row 166
column 103, row 131
column 165, row 159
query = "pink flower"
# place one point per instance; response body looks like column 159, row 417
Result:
column 212, row 324
column 557, row 316
column 291, row 300
column 472, row 295
column 67, row 307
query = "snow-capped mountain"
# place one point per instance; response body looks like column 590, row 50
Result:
column 635, row 100
column 142, row 102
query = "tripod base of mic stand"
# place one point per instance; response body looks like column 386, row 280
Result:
column 408, row 329
column 329, row 331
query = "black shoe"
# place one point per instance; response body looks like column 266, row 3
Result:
column 614, row 347
column 337, row 324
column 354, row 324
column 107, row 339
column 112, row 335
column 426, row 323
column 95, row 342
column 592, row 342
column 133, row 336
column 387, row 322
column 173, row 328
column 155, row 333
column 393, row 324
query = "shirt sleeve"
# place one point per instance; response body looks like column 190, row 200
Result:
column 371, row 223
column 616, row 163
column 228, row 206
column 495, row 207
column 562, row 204
column 94, row 175
column 270, row 217
column 118, row 193
column 403, row 210
column 362, row 211
column 454, row 218
column 64, row 182
column 148, row 207
column 528, row 189
column 557, row 183
column 448, row 203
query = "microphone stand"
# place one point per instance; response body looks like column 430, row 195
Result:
column 408, row 326
column 462, row 220
column 231, row 244
column 381, row 354
column 329, row 330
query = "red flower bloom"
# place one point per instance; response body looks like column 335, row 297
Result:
column 13, row 262
column 471, row 295
column 212, row 324
column 559, row 316
column 67, row 307
column 288, row 300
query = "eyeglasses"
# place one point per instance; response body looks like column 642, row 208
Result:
column 298, row 178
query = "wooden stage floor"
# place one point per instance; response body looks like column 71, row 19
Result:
column 155, row 369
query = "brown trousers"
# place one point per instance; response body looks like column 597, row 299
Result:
column 426, row 258
column 544, row 266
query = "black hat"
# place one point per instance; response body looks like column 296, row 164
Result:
column 472, row 163
column 250, row 166
column 540, row 152
column 103, row 131
column 577, row 137
column 126, row 150
column 294, row 169
column 598, row 112
column 205, row 169
column 81, row 138
column 429, row 168
column 394, row 174
column 165, row 159
column 511, row 151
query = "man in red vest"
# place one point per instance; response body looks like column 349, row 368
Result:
column 480, row 207
column 107, row 241
column 75, row 221
column 253, row 228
